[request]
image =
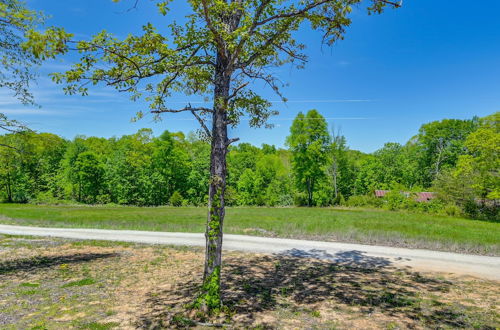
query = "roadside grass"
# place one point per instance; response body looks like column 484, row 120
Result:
column 365, row 226
column 149, row 287
column 82, row 282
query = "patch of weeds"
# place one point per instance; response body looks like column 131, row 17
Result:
column 182, row 321
column 238, row 271
column 30, row 285
column 64, row 270
column 86, row 271
column 315, row 314
column 99, row 326
column 157, row 261
column 27, row 292
column 396, row 300
column 82, row 282
column 266, row 297
column 391, row 326
column 98, row 243
column 109, row 313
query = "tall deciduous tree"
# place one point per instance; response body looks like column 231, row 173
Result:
column 223, row 47
column 16, row 62
column 475, row 181
column 339, row 167
column 309, row 143
column 441, row 143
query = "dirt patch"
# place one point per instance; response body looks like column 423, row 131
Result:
column 64, row 284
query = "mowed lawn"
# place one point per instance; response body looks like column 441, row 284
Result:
column 331, row 224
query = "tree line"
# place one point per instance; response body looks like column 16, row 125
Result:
column 456, row 158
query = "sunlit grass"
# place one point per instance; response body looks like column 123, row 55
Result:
column 351, row 225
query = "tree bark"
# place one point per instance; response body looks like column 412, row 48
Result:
column 309, row 192
column 9, row 189
column 210, row 298
column 335, row 173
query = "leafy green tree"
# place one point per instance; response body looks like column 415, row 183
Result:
column 17, row 63
column 475, row 181
column 217, row 53
column 10, row 166
column 46, row 153
column 248, row 188
column 241, row 158
column 129, row 170
column 264, row 182
column 482, row 161
column 87, row 174
column 199, row 175
column 340, row 168
column 441, row 143
column 31, row 165
column 389, row 166
column 170, row 167
column 309, row 143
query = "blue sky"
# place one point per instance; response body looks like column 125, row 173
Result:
column 393, row 72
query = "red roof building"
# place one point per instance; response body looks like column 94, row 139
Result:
column 425, row 196
column 420, row 197
column 381, row 193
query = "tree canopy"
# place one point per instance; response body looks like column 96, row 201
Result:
column 309, row 143
column 218, row 54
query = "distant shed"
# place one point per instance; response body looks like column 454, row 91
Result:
column 419, row 197
column 381, row 193
column 425, row 196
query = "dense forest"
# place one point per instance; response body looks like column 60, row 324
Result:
column 457, row 159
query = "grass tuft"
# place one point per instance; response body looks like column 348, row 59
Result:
column 82, row 282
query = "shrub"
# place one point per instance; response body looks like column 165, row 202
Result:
column 395, row 200
column 322, row 198
column 176, row 199
column 364, row 200
column 452, row 210
column 300, row 199
column 46, row 198
column 339, row 200
column 103, row 199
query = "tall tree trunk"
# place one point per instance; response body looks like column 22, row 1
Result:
column 335, row 173
column 9, row 189
column 309, row 192
column 210, row 298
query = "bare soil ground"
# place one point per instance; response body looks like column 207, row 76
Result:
column 63, row 284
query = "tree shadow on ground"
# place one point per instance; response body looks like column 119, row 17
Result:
column 37, row 262
column 300, row 279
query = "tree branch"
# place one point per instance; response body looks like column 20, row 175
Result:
column 10, row 147
column 294, row 13
column 230, row 141
column 186, row 108
column 202, row 123
column 211, row 27
column 237, row 90
column 393, row 3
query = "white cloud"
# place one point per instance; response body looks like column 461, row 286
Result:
column 325, row 101
column 21, row 112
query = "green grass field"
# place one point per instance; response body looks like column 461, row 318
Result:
column 347, row 225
